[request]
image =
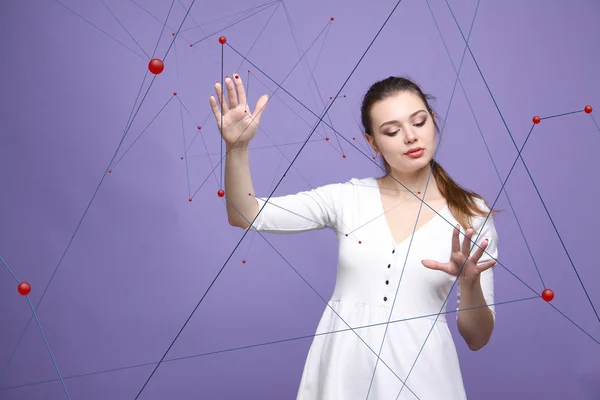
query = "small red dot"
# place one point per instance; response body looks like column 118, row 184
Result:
column 548, row 295
column 418, row 192
column 24, row 288
column 191, row 44
column 110, row 171
column 359, row 242
column 199, row 127
column 173, row 34
column 248, row 70
column 249, row 194
column 344, row 96
column 174, row 93
column 346, row 235
column 190, row 199
column 588, row 109
column 326, row 138
column 344, row 156
column 237, row 77
column 536, row 120
column 221, row 193
column 156, row 66
column 243, row 261
column 222, row 40
column 353, row 138
column 182, row 158
column 330, row 97
column 373, row 157
column 331, row 18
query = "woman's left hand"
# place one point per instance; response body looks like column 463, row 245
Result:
column 459, row 257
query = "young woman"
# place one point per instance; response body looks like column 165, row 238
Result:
column 399, row 252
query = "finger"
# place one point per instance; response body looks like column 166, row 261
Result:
column 479, row 252
column 241, row 92
column 486, row 265
column 455, row 241
column 215, row 109
column 222, row 100
column 435, row 265
column 466, row 245
column 233, row 101
column 261, row 104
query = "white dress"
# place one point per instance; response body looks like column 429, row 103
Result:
column 375, row 278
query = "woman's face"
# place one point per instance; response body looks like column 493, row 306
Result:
column 401, row 123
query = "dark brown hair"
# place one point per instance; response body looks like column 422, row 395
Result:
column 460, row 200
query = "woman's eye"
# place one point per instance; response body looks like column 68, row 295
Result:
column 420, row 124
column 393, row 133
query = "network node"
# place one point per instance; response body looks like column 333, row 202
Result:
column 24, row 288
column 344, row 156
column 174, row 93
column 110, row 171
column 190, row 199
column 243, row 261
column 199, row 127
column 588, row 109
column 221, row 193
column 191, row 45
column 331, row 18
column 536, row 120
column 156, row 66
column 548, row 295
column 359, row 242
column 222, row 40
column 326, row 138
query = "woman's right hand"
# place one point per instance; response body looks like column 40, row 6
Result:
column 238, row 124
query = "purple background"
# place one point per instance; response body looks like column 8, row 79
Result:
column 144, row 255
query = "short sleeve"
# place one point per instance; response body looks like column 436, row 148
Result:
column 300, row 212
column 488, row 231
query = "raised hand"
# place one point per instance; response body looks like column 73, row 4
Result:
column 238, row 124
column 459, row 257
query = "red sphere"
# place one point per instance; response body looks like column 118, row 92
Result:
column 222, row 40
column 548, row 295
column 331, row 18
column 190, row 199
column 588, row 109
column 536, row 120
column 243, row 261
column 221, row 193
column 24, row 288
column 156, row 66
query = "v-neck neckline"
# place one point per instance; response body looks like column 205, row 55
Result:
column 387, row 225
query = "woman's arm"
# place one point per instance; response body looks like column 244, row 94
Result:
column 241, row 207
column 475, row 319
